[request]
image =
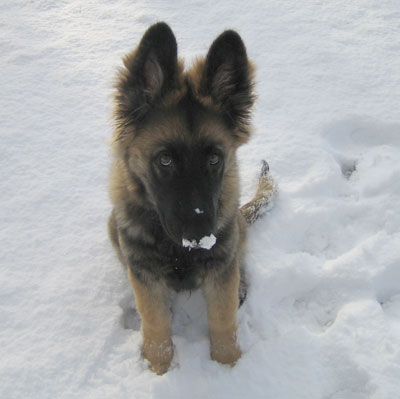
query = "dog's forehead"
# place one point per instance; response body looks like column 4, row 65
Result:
column 186, row 122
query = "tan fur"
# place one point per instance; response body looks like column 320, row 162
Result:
column 266, row 191
column 112, row 230
column 152, row 304
column 222, row 304
column 195, row 76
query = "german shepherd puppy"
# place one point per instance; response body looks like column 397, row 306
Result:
column 176, row 222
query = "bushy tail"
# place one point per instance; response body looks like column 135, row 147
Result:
column 264, row 198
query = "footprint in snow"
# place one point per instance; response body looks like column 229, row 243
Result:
column 350, row 139
column 130, row 318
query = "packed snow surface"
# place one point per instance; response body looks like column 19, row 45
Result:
column 207, row 242
column 322, row 315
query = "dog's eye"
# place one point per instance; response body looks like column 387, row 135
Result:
column 214, row 159
column 165, row 159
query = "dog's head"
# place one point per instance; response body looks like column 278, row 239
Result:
column 177, row 131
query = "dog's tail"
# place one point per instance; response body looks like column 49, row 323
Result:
column 263, row 200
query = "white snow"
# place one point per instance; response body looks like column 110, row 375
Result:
column 207, row 242
column 186, row 243
column 322, row 315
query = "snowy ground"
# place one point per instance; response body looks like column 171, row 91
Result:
column 322, row 319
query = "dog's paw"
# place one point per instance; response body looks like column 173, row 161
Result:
column 160, row 368
column 226, row 354
column 224, row 348
column 159, row 355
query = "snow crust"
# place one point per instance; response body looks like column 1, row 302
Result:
column 322, row 314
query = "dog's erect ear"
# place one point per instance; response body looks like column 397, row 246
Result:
column 150, row 72
column 227, row 78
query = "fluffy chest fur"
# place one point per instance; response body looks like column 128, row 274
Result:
column 152, row 255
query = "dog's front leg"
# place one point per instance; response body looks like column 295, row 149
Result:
column 152, row 304
column 222, row 304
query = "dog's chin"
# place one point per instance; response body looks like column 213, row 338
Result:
column 174, row 237
column 182, row 241
column 177, row 235
column 176, row 240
